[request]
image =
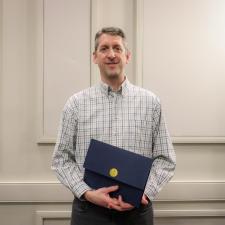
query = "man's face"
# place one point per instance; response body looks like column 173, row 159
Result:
column 111, row 56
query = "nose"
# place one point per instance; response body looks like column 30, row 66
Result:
column 111, row 53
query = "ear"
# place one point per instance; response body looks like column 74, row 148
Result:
column 128, row 56
column 94, row 57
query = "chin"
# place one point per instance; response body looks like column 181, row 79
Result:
column 113, row 76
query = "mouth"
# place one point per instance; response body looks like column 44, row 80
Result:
column 111, row 63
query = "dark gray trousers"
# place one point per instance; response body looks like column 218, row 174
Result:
column 86, row 213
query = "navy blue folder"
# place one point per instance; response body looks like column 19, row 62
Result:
column 106, row 165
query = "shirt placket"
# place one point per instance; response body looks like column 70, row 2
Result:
column 113, row 100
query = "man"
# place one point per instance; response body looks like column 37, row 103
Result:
column 121, row 114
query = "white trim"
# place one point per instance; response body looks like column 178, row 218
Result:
column 42, row 215
column 190, row 213
column 40, row 67
column 95, row 26
column 138, row 14
column 34, row 192
column 46, row 140
column 193, row 191
column 175, row 140
column 1, row 44
column 198, row 140
column 56, row 192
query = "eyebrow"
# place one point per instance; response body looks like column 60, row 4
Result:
column 103, row 46
column 106, row 46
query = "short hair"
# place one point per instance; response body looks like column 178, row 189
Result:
column 114, row 31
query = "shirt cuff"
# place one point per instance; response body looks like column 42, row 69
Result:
column 150, row 193
column 80, row 189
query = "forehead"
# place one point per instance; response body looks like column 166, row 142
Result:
column 106, row 39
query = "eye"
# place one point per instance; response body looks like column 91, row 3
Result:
column 103, row 49
column 117, row 49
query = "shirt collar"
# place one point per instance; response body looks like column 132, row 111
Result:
column 106, row 89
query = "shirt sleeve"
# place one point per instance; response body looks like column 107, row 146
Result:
column 63, row 160
column 162, row 150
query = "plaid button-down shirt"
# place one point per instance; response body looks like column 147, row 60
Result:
column 130, row 118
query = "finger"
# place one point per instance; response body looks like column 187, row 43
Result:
column 124, row 205
column 120, row 199
column 110, row 189
column 120, row 208
column 127, row 206
column 144, row 200
column 116, row 207
column 115, row 201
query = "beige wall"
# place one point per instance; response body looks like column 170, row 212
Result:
column 33, row 88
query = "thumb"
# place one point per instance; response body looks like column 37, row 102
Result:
column 144, row 200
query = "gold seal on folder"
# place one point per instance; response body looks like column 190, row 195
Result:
column 113, row 172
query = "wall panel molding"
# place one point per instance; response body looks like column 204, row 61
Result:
column 140, row 13
column 198, row 140
column 43, row 215
column 56, row 192
column 138, row 54
column 201, row 213
column 96, row 11
column 34, row 192
column 190, row 213
column 61, row 60
column 40, row 70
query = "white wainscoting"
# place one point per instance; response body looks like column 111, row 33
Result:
column 29, row 192
column 55, row 192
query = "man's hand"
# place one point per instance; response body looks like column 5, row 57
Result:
column 121, row 205
column 144, row 200
column 101, row 197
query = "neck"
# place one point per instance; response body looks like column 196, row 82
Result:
column 115, row 84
